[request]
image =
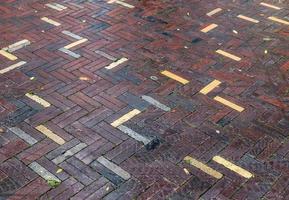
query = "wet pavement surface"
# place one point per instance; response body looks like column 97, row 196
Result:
column 180, row 99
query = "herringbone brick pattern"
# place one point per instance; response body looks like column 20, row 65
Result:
column 143, row 99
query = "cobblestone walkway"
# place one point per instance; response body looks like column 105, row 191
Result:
column 144, row 99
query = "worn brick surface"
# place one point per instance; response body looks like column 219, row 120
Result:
column 90, row 62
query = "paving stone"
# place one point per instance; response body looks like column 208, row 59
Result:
column 107, row 173
column 134, row 134
column 36, row 151
column 105, row 55
column 65, row 190
column 76, row 173
column 62, row 149
column 120, row 172
column 134, row 101
column 70, row 53
column 12, row 67
column 69, row 153
column 91, row 189
column 192, row 189
column 77, row 37
column 207, row 81
column 125, row 190
column 27, row 138
column 156, row 103
column 42, row 172
column 53, row 168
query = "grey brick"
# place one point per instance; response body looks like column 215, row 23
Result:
column 114, row 168
column 106, row 55
column 77, row 37
column 134, row 134
column 41, row 171
column 62, row 149
column 27, row 138
column 69, row 153
column 75, row 55
column 156, row 103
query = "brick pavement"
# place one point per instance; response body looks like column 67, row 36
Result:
column 143, row 99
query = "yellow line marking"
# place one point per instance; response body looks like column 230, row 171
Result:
column 125, row 117
column 209, row 28
column 50, row 21
column 75, row 43
column 211, row 13
column 232, row 167
column 248, row 18
column 50, row 134
column 229, row 104
column 210, row 87
column 270, row 6
column 11, row 67
column 278, row 20
column 175, row 77
column 116, row 63
column 8, row 55
column 203, row 167
column 226, row 54
column 38, row 100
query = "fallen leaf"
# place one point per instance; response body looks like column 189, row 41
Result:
column 186, row 171
column 53, row 183
column 83, row 78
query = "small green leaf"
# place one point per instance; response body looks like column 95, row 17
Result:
column 53, row 183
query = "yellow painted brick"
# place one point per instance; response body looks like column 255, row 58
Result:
column 50, row 134
column 209, row 28
column 226, row 54
column 50, row 21
column 75, row 43
column 11, row 67
column 229, row 104
column 248, row 18
column 8, row 55
column 175, row 77
column 233, row 167
column 124, row 4
column 125, row 117
column 203, row 167
column 211, row 13
column 275, row 19
column 210, row 87
column 38, row 100
column 116, row 63
column 120, row 2
column 270, row 6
